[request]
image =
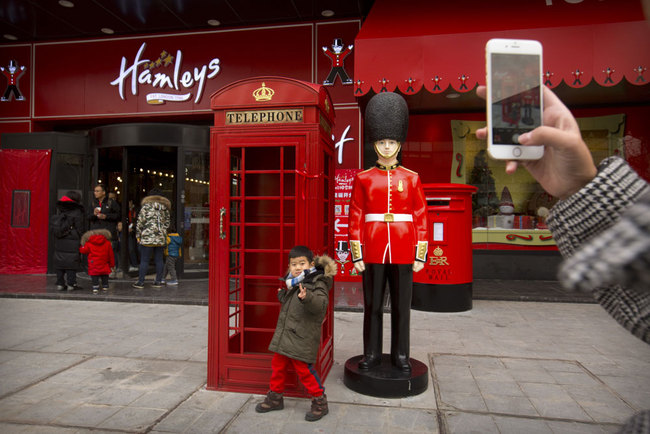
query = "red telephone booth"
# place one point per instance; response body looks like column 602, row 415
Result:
column 271, row 187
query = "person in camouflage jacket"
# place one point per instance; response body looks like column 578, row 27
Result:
column 151, row 234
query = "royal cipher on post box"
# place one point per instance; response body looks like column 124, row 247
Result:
column 271, row 187
column 445, row 283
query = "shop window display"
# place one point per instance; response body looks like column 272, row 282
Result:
column 512, row 209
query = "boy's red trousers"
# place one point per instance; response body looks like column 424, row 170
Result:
column 306, row 373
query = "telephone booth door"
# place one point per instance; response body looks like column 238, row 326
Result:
column 271, row 188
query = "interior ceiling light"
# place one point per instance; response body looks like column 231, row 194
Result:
column 452, row 95
column 107, row 30
column 66, row 3
column 214, row 23
column 10, row 37
column 327, row 13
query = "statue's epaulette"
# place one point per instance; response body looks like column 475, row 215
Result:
column 367, row 170
column 409, row 170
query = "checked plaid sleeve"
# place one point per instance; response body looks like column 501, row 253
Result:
column 603, row 231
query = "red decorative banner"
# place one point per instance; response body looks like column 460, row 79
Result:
column 342, row 194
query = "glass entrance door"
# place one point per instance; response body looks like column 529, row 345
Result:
column 130, row 173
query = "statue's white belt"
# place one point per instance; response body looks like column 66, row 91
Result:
column 389, row 217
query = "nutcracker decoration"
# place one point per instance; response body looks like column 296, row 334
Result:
column 337, row 55
column 12, row 73
column 387, row 232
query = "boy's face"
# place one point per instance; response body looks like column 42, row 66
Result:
column 298, row 265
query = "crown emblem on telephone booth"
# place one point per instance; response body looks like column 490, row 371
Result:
column 263, row 93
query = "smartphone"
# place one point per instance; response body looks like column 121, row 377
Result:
column 514, row 96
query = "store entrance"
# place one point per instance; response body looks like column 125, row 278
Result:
column 129, row 174
column 132, row 159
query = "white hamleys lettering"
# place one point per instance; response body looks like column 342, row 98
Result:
column 178, row 80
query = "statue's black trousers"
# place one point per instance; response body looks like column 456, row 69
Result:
column 399, row 278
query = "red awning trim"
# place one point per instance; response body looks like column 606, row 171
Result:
column 606, row 53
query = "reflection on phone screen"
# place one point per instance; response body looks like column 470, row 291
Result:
column 515, row 96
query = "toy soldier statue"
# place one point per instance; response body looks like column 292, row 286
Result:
column 388, row 231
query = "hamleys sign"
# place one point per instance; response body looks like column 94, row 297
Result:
column 164, row 77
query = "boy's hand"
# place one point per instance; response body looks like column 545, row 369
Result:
column 302, row 293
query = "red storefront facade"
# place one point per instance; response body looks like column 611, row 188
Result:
column 596, row 56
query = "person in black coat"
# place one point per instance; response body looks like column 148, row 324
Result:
column 66, row 247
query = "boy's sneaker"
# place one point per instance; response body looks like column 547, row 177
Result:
column 95, row 289
column 156, row 285
column 318, row 409
column 162, row 282
column 104, row 288
column 138, row 285
column 60, row 287
column 273, row 401
column 172, row 283
column 74, row 287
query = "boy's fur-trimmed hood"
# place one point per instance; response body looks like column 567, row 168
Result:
column 87, row 235
column 157, row 199
column 327, row 264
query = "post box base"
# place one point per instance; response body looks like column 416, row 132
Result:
column 386, row 381
column 442, row 298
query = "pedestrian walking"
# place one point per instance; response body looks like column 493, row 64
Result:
column 67, row 225
column 151, row 233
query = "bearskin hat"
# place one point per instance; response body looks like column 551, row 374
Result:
column 387, row 117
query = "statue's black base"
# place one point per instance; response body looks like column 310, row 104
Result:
column 442, row 298
column 386, row 381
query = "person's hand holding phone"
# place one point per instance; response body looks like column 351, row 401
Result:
column 567, row 164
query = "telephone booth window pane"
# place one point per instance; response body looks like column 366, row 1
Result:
column 262, row 184
column 263, row 211
column 235, row 159
column 263, row 264
column 234, row 211
column 257, row 342
column 233, row 319
column 263, row 158
column 289, row 211
column 235, row 184
column 289, row 158
column 234, row 236
column 235, row 289
column 289, row 188
column 234, row 262
column 263, row 291
column 262, row 237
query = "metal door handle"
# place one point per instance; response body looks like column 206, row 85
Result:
column 222, row 214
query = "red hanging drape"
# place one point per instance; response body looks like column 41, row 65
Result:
column 24, row 206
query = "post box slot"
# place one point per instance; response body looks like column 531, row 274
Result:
column 438, row 201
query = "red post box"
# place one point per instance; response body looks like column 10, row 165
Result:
column 445, row 283
column 271, row 187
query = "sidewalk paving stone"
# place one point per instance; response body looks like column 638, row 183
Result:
column 503, row 367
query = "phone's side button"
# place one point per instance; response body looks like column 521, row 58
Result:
column 516, row 152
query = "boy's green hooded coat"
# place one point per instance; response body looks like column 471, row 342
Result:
column 297, row 334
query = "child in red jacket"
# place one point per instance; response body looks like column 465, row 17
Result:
column 97, row 245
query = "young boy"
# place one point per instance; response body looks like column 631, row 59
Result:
column 304, row 304
column 173, row 252
column 96, row 244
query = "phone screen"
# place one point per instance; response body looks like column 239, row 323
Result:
column 515, row 96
